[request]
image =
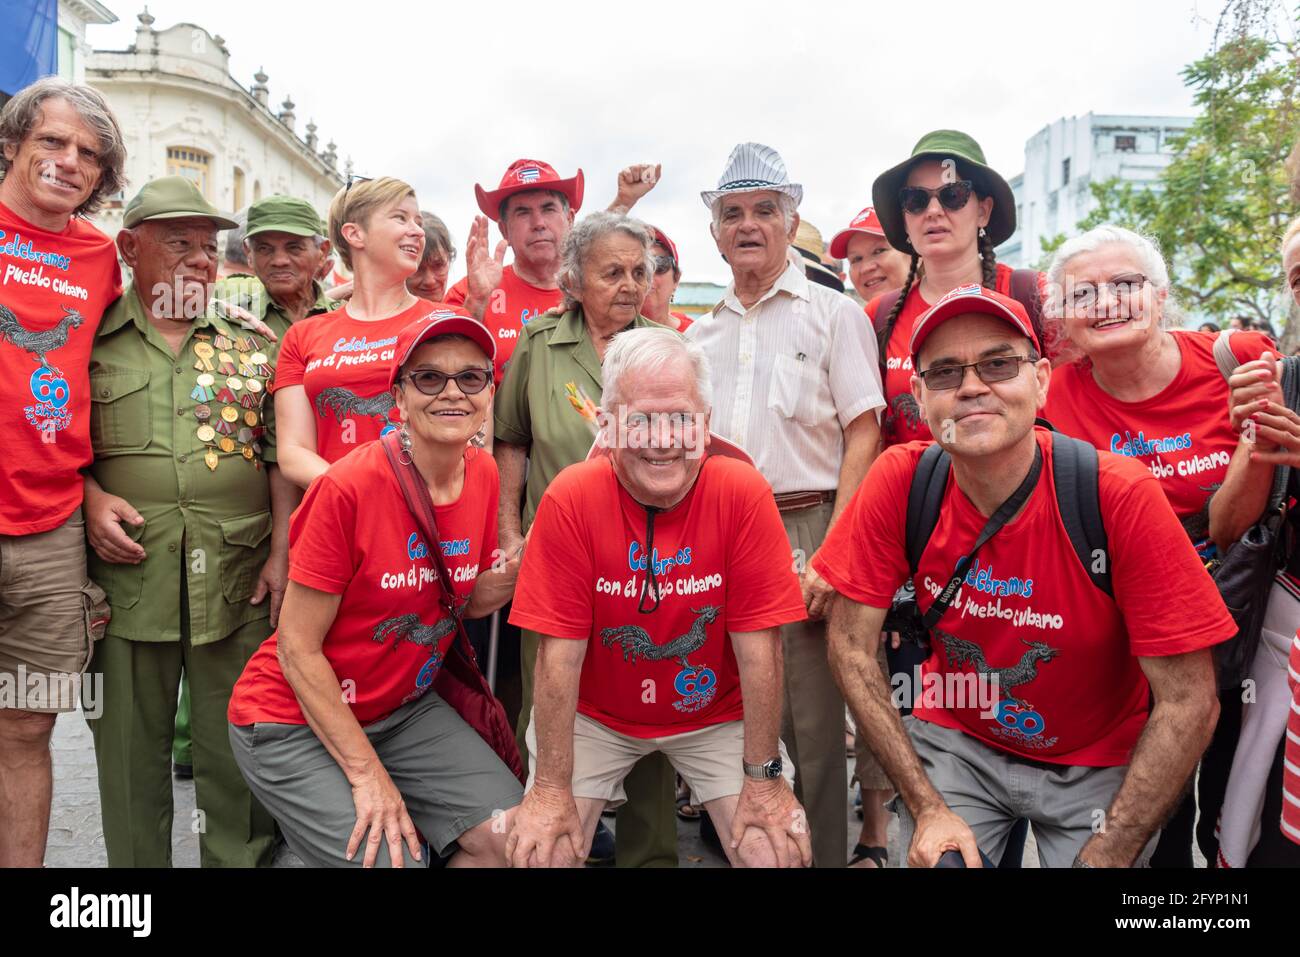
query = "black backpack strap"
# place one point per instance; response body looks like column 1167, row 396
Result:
column 923, row 501
column 1074, row 468
column 1024, row 289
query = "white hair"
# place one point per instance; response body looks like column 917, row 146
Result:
column 784, row 200
column 1144, row 250
column 650, row 352
column 585, row 233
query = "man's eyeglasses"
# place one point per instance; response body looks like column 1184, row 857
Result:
column 1084, row 295
column 952, row 196
column 431, row 382
column 663, row 264
column 994, row 369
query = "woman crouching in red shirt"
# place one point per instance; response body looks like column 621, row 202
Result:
column 331, row 723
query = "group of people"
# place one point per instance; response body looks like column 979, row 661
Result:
column 978, row 517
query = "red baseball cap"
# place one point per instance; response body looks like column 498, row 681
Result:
column 441, row 322
column 662, row 239
column 865, row 222
column 963, row 301
column 525, row 175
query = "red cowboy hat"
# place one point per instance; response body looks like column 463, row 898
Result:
column 525, row 175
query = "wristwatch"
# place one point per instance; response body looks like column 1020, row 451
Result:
column 772, row 769
column 1080, row 862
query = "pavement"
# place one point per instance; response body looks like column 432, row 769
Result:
column 77, row 837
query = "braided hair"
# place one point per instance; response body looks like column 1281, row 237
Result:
column 988, row 262
column 887, row 330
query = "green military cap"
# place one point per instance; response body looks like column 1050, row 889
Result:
column 283, row 214
column 172, row 197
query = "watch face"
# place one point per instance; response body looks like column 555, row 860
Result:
column 773, row 768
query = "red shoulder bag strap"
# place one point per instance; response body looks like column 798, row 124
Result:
column 416, row 493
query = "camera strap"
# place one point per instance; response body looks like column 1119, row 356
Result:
column 998, row 519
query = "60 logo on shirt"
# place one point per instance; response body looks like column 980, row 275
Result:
column 51, row 392
column 697, row 686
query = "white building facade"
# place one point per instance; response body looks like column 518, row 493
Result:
column 182, row 113
column 74, row 51
column 1064, row 159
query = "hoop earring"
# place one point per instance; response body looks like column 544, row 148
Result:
column 404, row 440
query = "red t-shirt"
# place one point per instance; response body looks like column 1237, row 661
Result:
column 390, row 634
column 511, row 305
column 723, row 563
column 54, row 288
column 343, row 364
column 1071, row 689
column 1182, row 434
column 902, row 421
column 683, row 321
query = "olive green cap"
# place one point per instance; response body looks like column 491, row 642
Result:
column 943, row 144
column 171, row 197
column 283, row 214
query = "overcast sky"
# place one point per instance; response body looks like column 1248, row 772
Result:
column 448, row 95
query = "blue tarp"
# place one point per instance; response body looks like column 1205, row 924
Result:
column 29, row 42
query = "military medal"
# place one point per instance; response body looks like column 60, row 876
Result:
column 247, row 453
column 253, row 385
column 230, row 414
column 260, row 360
column 244, row 435
column 247, row 344
column 245, row 366
column 203, row 388
column 222, row 342
column 225, row 395
column 250, row 417
column 211, row 460
column 202, row 412
column 205, row 352
column 234, row 383
column 206, row 433
column 250, row 400
column 227, row 444
column 226, row 364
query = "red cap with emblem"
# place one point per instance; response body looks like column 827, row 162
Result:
column 866, row 222
column 963, row 301
column 441, row 322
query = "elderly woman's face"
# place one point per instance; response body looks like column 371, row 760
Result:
column 452, row 416
column 430, row 280
column 614, row 280
column 1108, row 305
column 939, row 232
column 875, row 266
column 1291, row 266
column 662, row 433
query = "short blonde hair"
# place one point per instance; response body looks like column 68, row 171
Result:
column 358, row 203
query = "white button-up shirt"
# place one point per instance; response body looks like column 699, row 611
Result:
column 789, row 375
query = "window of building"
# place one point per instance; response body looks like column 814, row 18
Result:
column 239, row 190
column 1065, row 171
column 1126, row 144
column 193, row 164
column 257, row 190
column 67, row 56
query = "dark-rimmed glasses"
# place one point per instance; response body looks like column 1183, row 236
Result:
column 432, row 382
column 993, row 369
column 952, row 196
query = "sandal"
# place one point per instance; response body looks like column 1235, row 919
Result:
column 862, row 853
column 685, row 809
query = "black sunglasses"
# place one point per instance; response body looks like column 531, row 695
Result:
column 432, row 382
column 663, row 264
column 355, row 179
column 952, row 196
column 995, row 369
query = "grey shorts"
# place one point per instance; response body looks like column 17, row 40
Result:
column 449, row 777
column 990, row 790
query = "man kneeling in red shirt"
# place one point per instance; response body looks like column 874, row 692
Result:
column 658, row 574
column 1063, row 736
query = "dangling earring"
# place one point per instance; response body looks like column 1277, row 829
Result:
column 404, row 440
column 982, row 232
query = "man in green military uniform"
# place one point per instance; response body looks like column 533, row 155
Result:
column 179, row 516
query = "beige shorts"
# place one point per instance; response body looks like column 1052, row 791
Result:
column 709, row 760
column 50, row 616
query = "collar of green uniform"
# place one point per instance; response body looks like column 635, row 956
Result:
column 572, row 327
column 129, row 308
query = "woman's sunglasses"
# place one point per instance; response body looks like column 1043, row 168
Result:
column 470, row 382
column 952, row 196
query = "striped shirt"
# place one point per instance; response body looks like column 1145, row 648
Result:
column 789, row 375
column 1291, row 755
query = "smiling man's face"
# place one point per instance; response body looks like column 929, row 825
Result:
column 55, row 168
column 663, row 431
column 978, row 418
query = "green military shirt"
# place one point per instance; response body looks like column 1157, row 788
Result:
column 551, row 373
column 247, row 292
column 180, row 438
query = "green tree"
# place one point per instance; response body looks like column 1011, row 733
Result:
column 1222, row 204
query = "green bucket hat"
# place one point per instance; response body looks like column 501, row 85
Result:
column 171, row 197
column 283, row 214
column 939, row 145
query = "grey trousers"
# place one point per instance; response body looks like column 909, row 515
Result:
column 990, row 790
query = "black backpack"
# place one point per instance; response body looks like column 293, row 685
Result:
column 1074, row 468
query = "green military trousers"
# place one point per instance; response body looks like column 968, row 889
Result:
column 645, row 831
column 133, row 748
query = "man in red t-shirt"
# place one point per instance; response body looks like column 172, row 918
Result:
column 62, row 155
column 656, row 574
column 1034, row 702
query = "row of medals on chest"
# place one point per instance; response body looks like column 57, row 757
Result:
column 228, row 369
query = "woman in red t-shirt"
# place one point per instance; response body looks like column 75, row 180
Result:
column 668, row 273
column 331, row 722
column 331, row 374
column 947, row 209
